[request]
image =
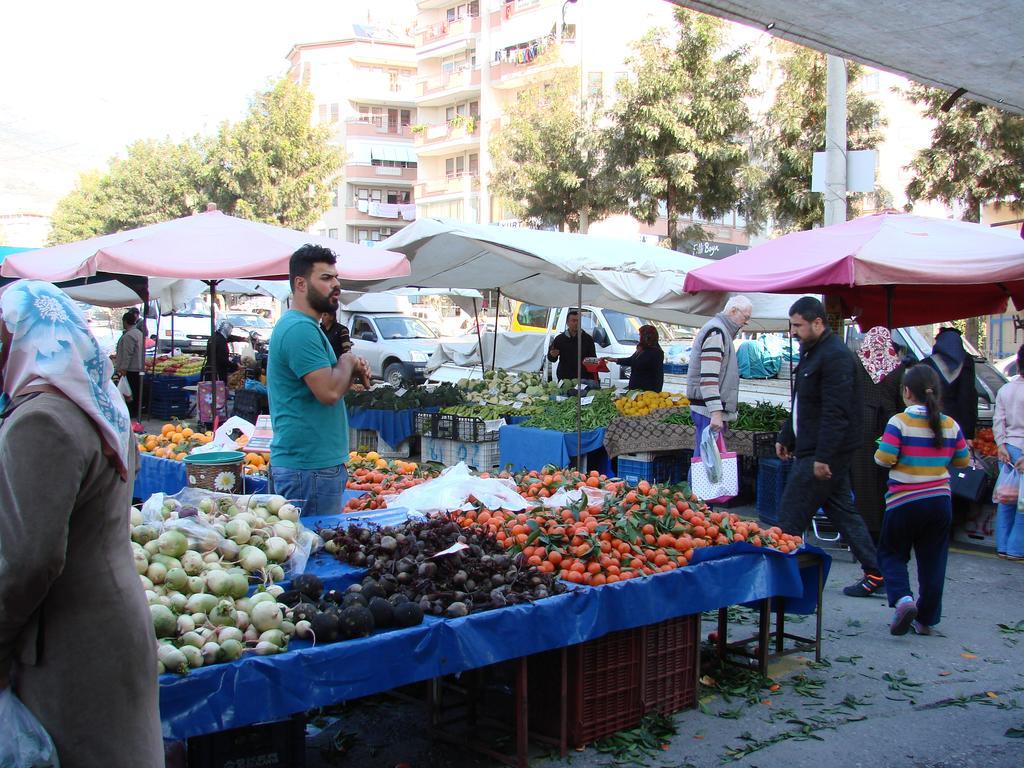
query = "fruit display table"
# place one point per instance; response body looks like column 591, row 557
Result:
column 532, row 448
column 637, row 434
column 264, row 688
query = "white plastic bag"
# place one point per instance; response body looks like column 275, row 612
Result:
column 124, row 388
column 714, row 475
column 710, row 456
column 1007, row 487
column 24, row 743
column 452, row 489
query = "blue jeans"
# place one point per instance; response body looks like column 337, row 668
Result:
column 1010, row 522
column 320, row 489
column 922, row 526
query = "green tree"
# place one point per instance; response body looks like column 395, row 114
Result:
column 795, row 130
column 548, row 157
column 276, row 166
column 81, row 213
column 678, row 142
column 976, row 155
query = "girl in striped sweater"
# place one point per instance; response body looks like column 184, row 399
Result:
column 918, row 446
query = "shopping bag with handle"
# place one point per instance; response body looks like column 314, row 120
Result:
column 24, row 743
column 714, row 475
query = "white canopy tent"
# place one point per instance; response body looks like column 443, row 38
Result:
column 171, row 293
column 974, row 46
column 555, row 269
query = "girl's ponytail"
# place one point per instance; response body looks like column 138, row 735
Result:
column 923, row 384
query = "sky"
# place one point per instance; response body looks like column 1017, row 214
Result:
column 82, row 80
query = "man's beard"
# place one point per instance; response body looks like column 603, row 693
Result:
column 321, row 303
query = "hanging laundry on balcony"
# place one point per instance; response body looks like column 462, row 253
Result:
column 408, row 211
column 384, row 210
column 363, row 206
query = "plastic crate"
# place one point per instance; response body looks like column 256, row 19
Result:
column 480, row 456
column 676, row 368
column 764, row 445
column 279, row 743
column 771, row 482
column 671, row 661
column 660, row 468
column 362, row 440
column 450, row 426
column 250, row 405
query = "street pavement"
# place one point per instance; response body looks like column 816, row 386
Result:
column 945, row 701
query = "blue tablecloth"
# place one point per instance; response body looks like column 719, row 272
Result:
column 532, row 448
column 394, row 427
column 258, row 689
column 168, row 476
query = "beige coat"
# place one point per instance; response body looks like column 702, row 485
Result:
column 75, row 632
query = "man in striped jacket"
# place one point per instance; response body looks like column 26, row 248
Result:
column 713, row 378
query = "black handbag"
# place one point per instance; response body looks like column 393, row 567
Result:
column 971, row 483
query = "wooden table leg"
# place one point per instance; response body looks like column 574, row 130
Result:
column 780, row 625
column 522, row 716
column 821, row 592
column 563, row 710
column 723, row 631
column 763, row 635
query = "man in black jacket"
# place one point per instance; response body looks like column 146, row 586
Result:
column 337, row 333
column 563, row 348
column 821, row 434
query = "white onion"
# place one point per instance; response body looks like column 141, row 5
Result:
column 217, row 583
column 275, row 636
column 165, row 561
column 275, row 573
column 172, row 659
column 141, row 558
column 238, row 584
column 190, row 638
column 146, row 583
column 228, row 550
column 136, row 516
column 156, row 573
column 238, row 531
column 303, row 629
column 252, row 559
column 178, row 601
column 164, row 622
column 230, row 649
column 193, row 655
column 211, row 558
column 206, row 505
column 243, row 604
column 192, row 562
column 276, row 549
column 251, row 635
column 266, row 649
column 275, row 590
column 200, row 618
column 152, row 548
column 143, row 534
column 176, row 579
column 172, row 543
column 266, row 616
column 211, row 652
column 201, row 602
column 287, row 627
column 289, row 512
column 243, row 621
column 223, row 614
column 287, row 530
column 275, row 502
column 195, row 584
column 229, row 633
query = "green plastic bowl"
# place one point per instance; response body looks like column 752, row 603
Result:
column 215, row 457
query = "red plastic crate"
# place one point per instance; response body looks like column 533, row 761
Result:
column 605, row 679
column 670, row 662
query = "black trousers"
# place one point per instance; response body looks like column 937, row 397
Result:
column 805, row 495
column 134, row 379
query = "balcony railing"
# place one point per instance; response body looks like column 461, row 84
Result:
column 460, row 78
column 375, row 128
column 456, row 129
column 457, row 183
column 386, row 87
column 443, row 30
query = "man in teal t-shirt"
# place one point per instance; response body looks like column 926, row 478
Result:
column 307, row 382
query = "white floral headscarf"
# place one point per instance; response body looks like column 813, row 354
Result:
column 50, row 344
column 878, row 354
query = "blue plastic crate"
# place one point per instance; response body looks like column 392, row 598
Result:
column 771, row 482
column 668, row 468
column 677, row 368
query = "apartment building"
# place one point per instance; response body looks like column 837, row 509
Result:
column 364, row 91
column 473, row 59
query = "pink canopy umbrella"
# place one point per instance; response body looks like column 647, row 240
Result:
column 887, row 269
column 205, row 246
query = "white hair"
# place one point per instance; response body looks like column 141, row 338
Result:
column 741, row 303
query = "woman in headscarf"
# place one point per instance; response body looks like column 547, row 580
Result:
column 647, row 364
column 881, row 372
column 956, row 379
column 217, row 348
column 76, row 637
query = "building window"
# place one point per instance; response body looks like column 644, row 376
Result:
column 474, row 164
column 321, row 232
column 595, row 86
column 307, row 72
column 335, row 113
column 333, row 233
column 334, row 198
column 397, row 196
column 324, row 112
column 464, row 109
column 393, row 163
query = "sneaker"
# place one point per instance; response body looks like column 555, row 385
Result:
column 1002, row 555
column 919, row 628
column 906, row 612
column 868, row 585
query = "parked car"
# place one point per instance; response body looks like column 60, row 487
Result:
column 396, row 346
column 1007, row 366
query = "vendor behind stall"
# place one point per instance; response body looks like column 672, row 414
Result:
column 219, row 343
column 337, row 333
column 647, row 364
column 564, row 348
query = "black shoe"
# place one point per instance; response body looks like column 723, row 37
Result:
column 866, row 587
